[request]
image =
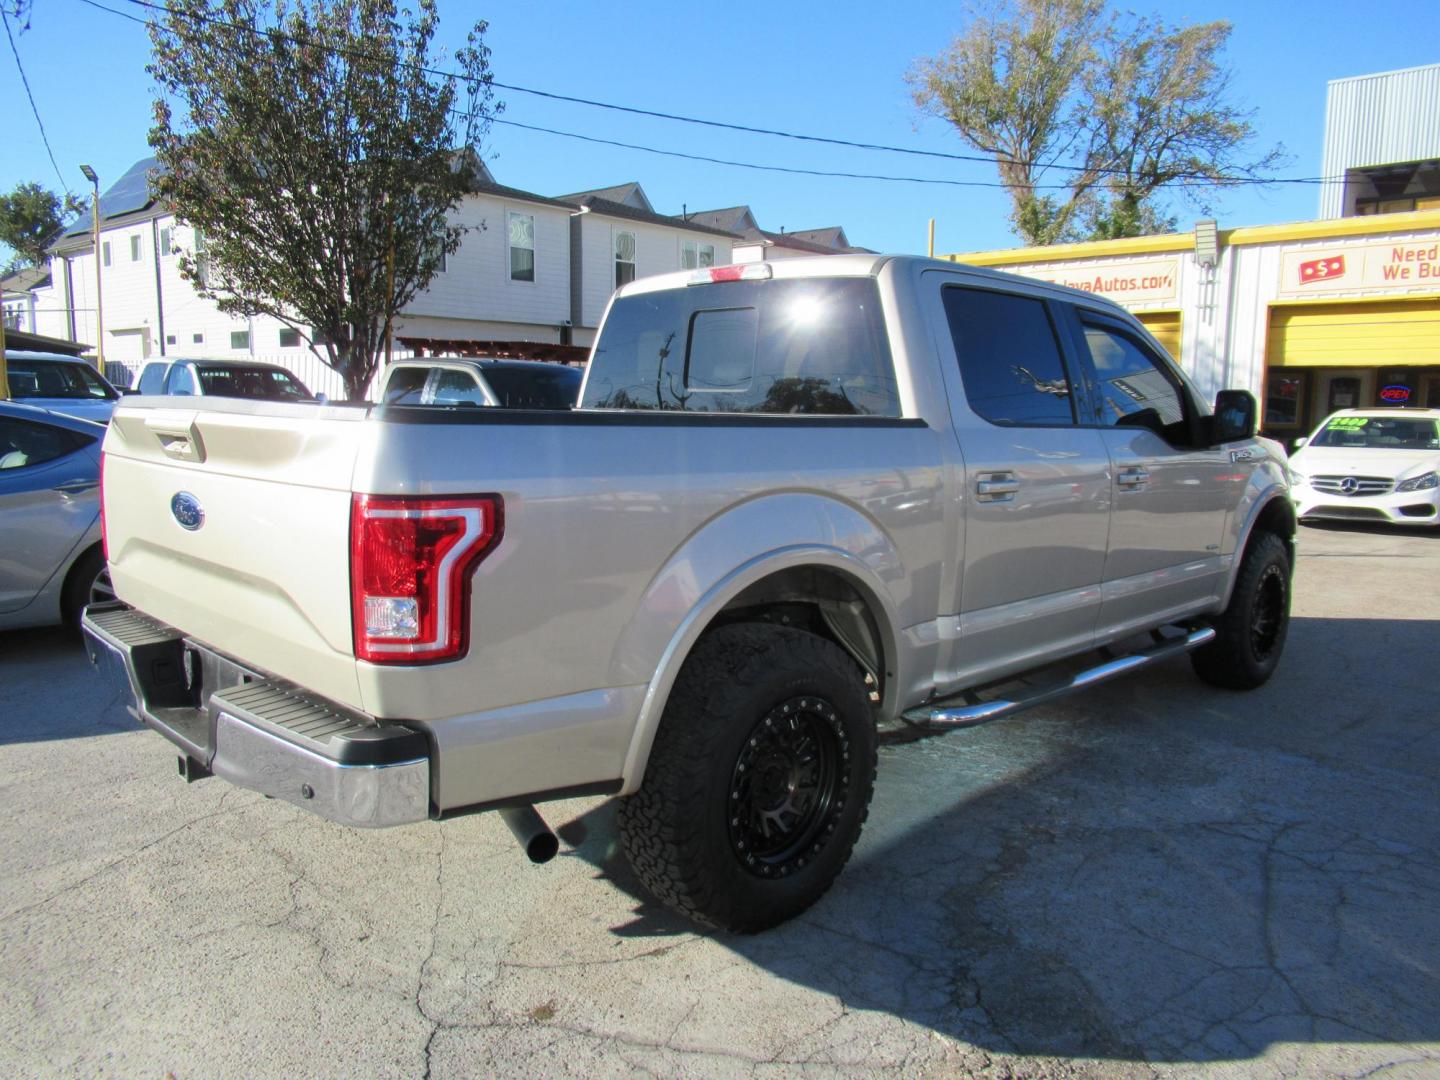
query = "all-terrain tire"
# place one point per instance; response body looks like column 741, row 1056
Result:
column 1250, row 632
column 759, row 779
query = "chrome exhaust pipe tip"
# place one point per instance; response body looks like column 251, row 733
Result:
column 530, row 829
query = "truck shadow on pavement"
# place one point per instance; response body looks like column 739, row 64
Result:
column 1157, row 871
column 48, row 690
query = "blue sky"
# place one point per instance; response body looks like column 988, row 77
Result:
column 834, row 69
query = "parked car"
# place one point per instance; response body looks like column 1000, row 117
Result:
column 796, row 501
column 1370, row 465
column 51, row 561
column 221, row 378
column 457, row 380
column 62, row 384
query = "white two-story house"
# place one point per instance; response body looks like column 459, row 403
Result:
column 530, row 268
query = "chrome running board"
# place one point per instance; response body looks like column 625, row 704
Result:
column 940, row 715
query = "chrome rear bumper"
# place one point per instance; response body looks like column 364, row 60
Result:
column 258, row 732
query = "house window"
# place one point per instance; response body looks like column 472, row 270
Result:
column 197, row 339
column 165, row 237
column 169, row 339
column 135, row 248
column 437, row 251
column 105, row 252
column 522, row 247
column 624, row 258
column 240, row 339
column 694, row 254
column 289, row 339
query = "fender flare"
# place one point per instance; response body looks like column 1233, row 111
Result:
column 1269, row 495
column 714, row 600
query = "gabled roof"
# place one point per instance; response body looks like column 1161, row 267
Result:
column 832, row 237
column 735, row 219
column 631, row 195
column 25, row 279
column 597, row 205
column 483, row 188
column 793, row 241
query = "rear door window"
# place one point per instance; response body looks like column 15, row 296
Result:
column 180, row 381
column 406, row 386
column 23, row 444
column 811, row 346
column 456, row 388
column 1009, row 358
column 152, row 379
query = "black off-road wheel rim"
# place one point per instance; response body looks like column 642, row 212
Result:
column 1267, row 619
column 787, row 788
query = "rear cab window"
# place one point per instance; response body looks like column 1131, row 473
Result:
column 812, row 346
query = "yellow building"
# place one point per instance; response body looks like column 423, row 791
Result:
column 1311, row 317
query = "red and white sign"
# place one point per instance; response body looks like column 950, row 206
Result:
column 1320, row 269
column 1361, row 268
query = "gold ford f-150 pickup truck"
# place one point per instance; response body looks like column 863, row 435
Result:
column 795, row 501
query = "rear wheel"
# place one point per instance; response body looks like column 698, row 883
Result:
column 89, row 583
column 759, row 780
column 1250, row 632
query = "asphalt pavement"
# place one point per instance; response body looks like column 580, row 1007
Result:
column 1156, row 877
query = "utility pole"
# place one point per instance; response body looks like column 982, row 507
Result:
column 4, row 372
column 89, row 174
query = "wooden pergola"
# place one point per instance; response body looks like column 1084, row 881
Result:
column 497, row 350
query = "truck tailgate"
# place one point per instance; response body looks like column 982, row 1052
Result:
column 256, row 562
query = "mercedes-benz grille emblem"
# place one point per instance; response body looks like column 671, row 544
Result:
column 1349, row 486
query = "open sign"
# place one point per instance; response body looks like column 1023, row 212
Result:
column 1396, row 395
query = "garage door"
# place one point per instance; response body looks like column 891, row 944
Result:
column 1355, row 335
column 1165, row 325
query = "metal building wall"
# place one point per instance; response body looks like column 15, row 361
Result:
column 1378, row 119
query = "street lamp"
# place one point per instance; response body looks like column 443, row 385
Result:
column 89, row 174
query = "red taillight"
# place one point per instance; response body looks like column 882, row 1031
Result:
column 411, row 560
column 104, row 539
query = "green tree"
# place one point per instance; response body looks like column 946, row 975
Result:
column 29, row 216
column 1092, row 117
column 318, row 159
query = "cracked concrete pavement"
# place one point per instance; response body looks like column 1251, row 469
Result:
column 1155, row 878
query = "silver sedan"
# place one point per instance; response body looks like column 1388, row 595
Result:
column 51, row 561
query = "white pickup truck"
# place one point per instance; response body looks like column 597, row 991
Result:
column 796, row 501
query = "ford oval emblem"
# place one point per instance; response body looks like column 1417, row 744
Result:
column 187, row 510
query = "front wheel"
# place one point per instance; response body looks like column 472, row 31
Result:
column 759, row 780
column 1250, row 632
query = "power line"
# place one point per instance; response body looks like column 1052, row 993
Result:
column 1186, row 179
column 5, row 18
column 753, row 165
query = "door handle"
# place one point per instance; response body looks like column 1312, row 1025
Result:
column 76, row 487
column 996, row 487
column 1132, row 478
